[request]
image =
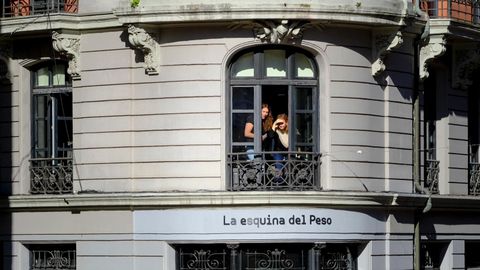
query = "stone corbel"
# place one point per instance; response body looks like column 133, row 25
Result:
column 143, row 41
column 276, row 32
column 383, row 42
column 434, row 48
column 69, row 46
column 466, row 61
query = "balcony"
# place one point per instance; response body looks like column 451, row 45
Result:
column 467, row 11
column 296, row 171
column 474, row 179
column 16, row 8
column 51, row 175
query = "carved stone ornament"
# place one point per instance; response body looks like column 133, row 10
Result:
column 141, row 40
column 384, row 42
column 69, row 46
column 466, row 61
column 279, row 32
column 435, row 48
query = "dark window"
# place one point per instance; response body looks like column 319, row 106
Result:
column 432, row 254
column 472, row 260
column 431, row 164
column 51, row 129
column 474, row 141
column 49, row 257
column 283, row 81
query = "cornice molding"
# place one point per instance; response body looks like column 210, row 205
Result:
column 383, row 42
column 69, row 46
column 326, row 199
column 95, row 201
column 145, row 42
column 435, row 47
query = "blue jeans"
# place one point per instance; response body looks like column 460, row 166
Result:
column 279, row 157
column 250, row 154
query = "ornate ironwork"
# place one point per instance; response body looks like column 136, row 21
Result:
column 50, row 259
column 266, row 257
column 203, row 259
column 474, row 179
column 336, row 259
column 14, row 8
column 296, row 171
column 272, row 259
column 432, row 170
column 51, row 175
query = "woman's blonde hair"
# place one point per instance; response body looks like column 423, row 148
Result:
column 283, row 117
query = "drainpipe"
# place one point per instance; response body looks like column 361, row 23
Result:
column 416, row 137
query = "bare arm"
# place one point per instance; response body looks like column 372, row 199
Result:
column 248, row 131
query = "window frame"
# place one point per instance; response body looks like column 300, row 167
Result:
column 51, row 92
column 260, row 79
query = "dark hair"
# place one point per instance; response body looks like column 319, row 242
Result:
column 268, row 122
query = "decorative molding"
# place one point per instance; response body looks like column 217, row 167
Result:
column 383, row 42
column 279, row 32
column 69, row 46
column 433, row 49
column 143, row 41
column 466, row 61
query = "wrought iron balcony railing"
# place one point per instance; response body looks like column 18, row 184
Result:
column 274, row 256
column 295, row 171
column 432, row 170
column 47, row 257
column 14, row 8
column 474, row 179
column 461, row 10
column 51, row 175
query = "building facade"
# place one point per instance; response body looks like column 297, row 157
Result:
column 130, row 134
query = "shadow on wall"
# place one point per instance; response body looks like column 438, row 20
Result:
column 6, row 156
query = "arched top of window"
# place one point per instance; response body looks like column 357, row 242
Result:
column 273, row 63
column 51, row 74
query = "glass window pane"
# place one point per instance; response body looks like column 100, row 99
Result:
column 238, row 126
column 304, row 127
column 42, row 78
column 41, row 126
column 243, row 67
column 58, row 75
column 304, row 98
column 303, row 66
column 242, row 98
column 64, row 124
column 275, row 63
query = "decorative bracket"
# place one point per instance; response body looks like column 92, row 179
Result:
column 383, row 42
column 141, row 40
column 466, row 61
column 433, row 49
column 69, row 46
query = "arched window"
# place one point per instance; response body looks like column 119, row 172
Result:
column 51, row 129
column 280, row 83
